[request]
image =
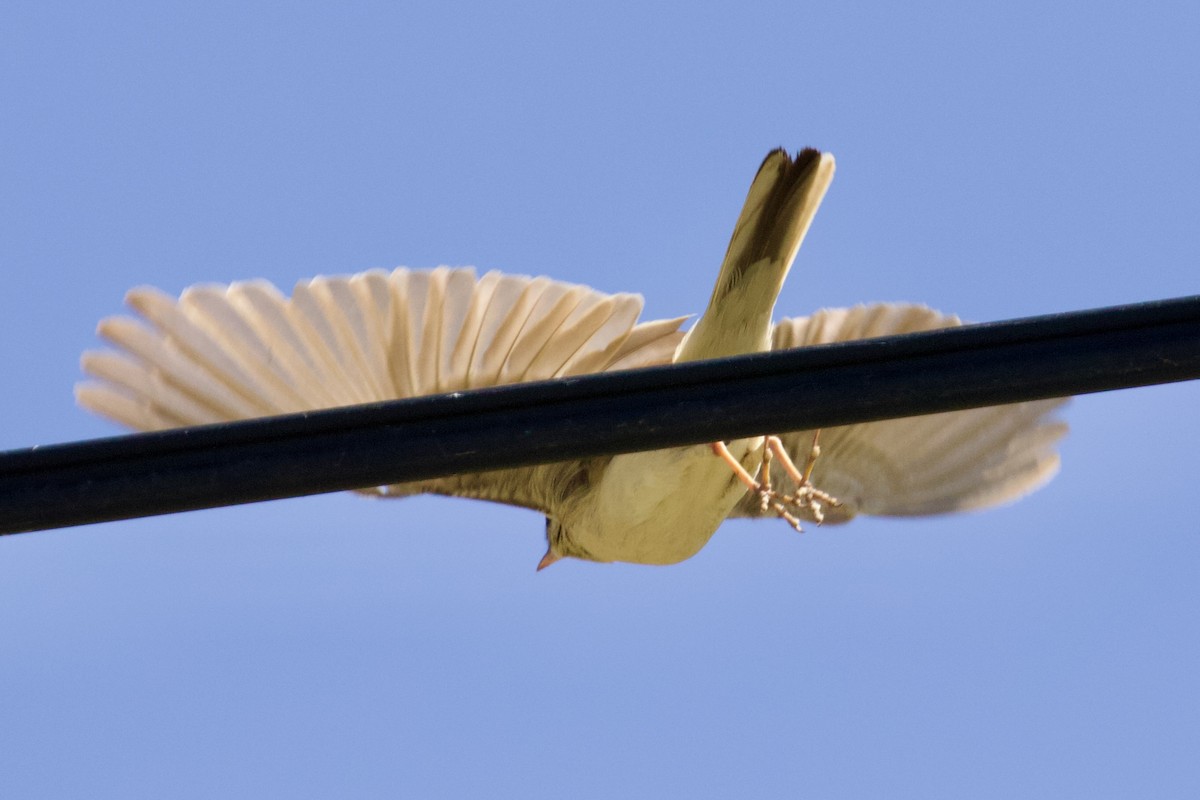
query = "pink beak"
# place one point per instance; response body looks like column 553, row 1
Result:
column 547, row 560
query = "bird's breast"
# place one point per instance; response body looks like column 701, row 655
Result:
column 662, row 506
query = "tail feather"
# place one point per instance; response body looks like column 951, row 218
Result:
column 780, row 206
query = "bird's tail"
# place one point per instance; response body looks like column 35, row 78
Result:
column 780, row 205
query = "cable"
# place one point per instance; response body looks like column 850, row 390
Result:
column 509, row 426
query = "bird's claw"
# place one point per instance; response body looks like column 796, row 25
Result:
column 805, row 498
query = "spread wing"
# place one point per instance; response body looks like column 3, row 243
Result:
column 932, row 464
column 221, row 353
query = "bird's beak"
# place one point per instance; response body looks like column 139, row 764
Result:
column 547, row 560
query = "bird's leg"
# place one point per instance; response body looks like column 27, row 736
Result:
column 813, row 452
column 768, row 497
column 807, row 495
column 765, row 472
column 775, row 445
column 722, row 452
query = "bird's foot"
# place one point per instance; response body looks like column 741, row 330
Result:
column 806, row 497
column 813, row 499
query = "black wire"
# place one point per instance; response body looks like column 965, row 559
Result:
column 509, row 426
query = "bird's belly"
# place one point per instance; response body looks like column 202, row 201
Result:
column 661, row 507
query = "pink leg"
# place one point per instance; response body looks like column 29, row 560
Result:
column 813, row 452
column 806, row 495
column 776, row 446
column 763, row 490
column 745, row 477
column 801, row 478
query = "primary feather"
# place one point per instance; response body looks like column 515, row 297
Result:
column 221, row 353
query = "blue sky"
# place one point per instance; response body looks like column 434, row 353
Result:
column 997, row 162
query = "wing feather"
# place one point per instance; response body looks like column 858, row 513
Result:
column 232, row 349
column 268, row 313
column 650, row 344
column 177, row 367
column 517, row 323
column 932, row 464
column 524, row 346
column 220, row 353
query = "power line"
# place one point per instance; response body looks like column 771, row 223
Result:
column 508, row 426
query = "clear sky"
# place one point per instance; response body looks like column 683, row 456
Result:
column 996, row 162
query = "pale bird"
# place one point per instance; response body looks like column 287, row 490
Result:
column 220, row 353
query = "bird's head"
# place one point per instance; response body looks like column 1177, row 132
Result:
column 559, row 545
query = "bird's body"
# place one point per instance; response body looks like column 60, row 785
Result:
column 655, row 507
column 220, row 353
column 662, row 506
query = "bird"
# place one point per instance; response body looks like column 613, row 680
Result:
column 218, row 353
